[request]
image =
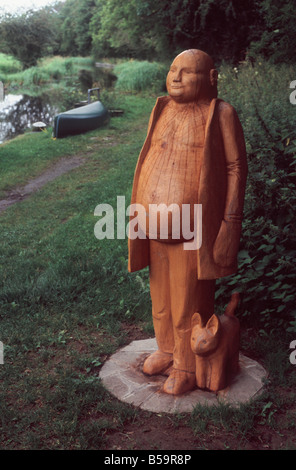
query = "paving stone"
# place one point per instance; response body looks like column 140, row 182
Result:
column 122, row 375
column 145, row 345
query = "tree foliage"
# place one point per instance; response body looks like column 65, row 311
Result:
column 154, row 29
column 116, row 29
column 143, row 29
column 75, row 37
column 225, row 29
column 220, row 28
column 30, row 36
column 276, row 39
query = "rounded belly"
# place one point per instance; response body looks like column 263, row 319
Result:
column 168, row 195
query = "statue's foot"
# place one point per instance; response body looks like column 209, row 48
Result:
column 157, row 363
column 179, row 382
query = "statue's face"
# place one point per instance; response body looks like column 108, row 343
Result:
column 188, row 78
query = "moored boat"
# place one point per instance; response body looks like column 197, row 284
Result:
column 76, row 121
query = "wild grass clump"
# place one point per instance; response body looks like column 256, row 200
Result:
column 135, row 76
column 58, row 67
column 242, row 422
column 62, row 70
column 239, row 421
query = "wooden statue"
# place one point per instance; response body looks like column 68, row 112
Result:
column 194, row 153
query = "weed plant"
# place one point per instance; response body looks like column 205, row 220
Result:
column 260, row 93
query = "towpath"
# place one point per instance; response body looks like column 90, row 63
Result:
column 64, row 165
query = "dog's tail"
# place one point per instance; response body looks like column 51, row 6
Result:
column 232, row 306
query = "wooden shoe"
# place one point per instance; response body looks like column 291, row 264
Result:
column 157, row 363
column 179, row 382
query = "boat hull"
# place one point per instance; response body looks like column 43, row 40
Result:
column 79, row 120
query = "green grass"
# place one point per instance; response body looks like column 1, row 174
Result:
column 21, row 161
column 61, row 222
column 62, row 290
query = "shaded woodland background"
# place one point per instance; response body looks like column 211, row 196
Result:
column 152, row 29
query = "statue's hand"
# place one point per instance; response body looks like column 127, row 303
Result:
column 227, row 243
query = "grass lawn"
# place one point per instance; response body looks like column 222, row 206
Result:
column 67, row 302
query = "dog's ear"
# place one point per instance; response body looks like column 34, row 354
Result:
column 196, row 319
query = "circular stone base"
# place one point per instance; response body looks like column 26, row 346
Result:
column 122, row 375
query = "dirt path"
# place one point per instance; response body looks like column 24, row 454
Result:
column 64, row 165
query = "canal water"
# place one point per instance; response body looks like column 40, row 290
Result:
column 19, row 112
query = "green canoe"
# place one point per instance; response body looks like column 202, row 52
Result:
column 79, row 120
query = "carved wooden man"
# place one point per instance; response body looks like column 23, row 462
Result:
column 194, row 153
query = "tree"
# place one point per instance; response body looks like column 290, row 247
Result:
column 220, row 27
column 29, row 36
column 75, row 36
column 275, row 38
column 160, row 29
column 119, row 30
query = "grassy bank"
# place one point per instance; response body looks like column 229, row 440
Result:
column 62, row 80
column 67, row 302
column 65, row 295
column 46, row 72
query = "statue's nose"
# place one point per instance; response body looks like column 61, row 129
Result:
column 177, row 76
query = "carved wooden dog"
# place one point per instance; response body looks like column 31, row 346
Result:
column 216, row 346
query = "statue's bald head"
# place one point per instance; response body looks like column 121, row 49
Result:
column 202, row 65
column 203, row 60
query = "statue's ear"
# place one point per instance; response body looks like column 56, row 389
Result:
column 196, row 319
column 213, row 324
column 213, row 77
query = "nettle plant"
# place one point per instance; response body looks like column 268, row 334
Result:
column 266, row 277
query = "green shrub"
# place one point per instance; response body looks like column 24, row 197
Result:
column 266, row 276
column 140, row 76
column 9, row 64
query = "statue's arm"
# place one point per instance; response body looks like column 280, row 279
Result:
column 227, row 242
column 236, row 162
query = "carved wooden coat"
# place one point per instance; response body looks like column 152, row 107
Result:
column 221, row 192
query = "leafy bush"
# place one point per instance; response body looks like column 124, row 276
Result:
column 266, row 276
column 140, row 75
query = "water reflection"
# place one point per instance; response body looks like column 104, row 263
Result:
column 19, row 112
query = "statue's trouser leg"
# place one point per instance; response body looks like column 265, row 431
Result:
column 176, row 294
